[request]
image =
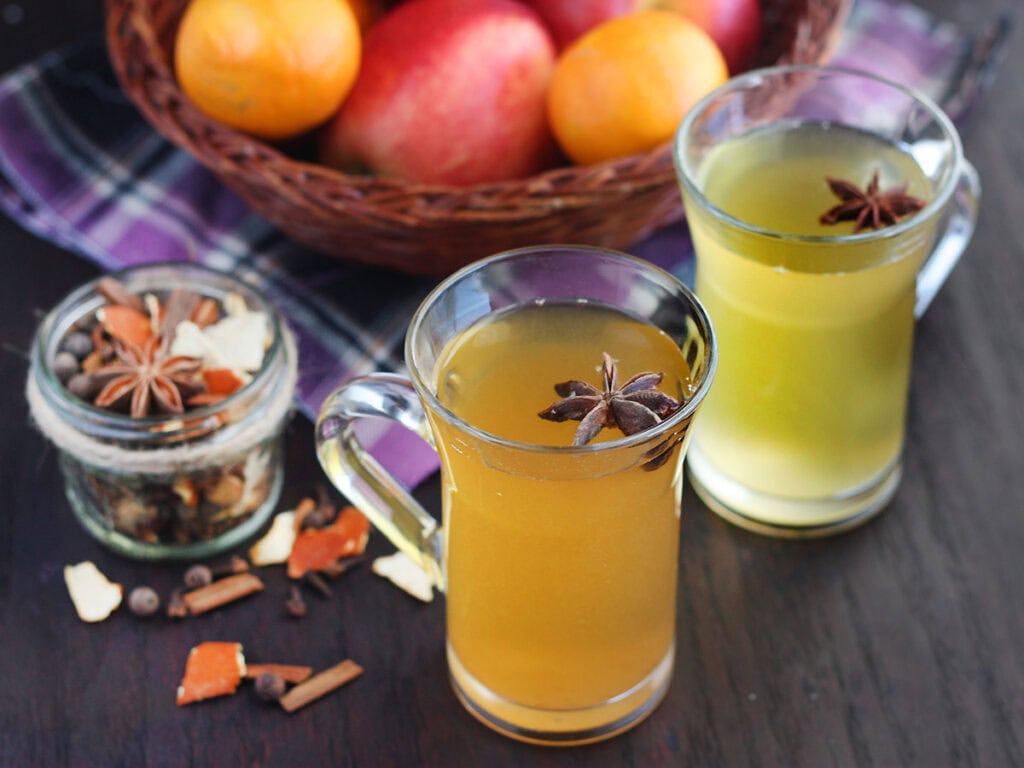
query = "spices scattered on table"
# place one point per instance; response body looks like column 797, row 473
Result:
column 220, row 593
column 317, row 555
column 216, row 668
column 320, row 685
column 94, row 596
column 212, row 669
column 289, row 673
column 276, row 544
column 143, row 601
column 405, row 573
column 270, row 686
column 325, row 543
column 316, row 549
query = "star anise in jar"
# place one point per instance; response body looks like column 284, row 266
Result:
column 631, row 407
column 147, row 379
column 869, row 207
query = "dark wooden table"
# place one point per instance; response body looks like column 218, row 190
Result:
column 897, row 644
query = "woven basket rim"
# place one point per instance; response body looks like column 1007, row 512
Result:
column 266, row 176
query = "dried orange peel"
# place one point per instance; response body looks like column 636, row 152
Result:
column 317, row 548
column 126, row 324
column 223, row 381
column 212, row 669
column 94, row 596
column 406, row 574
column 276, row 544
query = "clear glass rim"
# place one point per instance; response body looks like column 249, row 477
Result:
column 752, row 78
column 425, row 389
column 124, row 426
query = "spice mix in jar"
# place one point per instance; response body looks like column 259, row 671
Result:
column 166, row 389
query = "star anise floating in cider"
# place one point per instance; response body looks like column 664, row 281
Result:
column 632, row 407
column 869, row 207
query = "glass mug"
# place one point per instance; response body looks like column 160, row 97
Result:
column 804, row 433
column 558, row 563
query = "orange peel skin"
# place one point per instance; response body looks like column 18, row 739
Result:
column 213, row 668
column 126, row 324
column 222, row 381
column 316, row 549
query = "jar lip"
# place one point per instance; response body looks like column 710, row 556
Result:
column 84, row 299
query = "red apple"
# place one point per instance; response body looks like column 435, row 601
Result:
column 449, row 92
column 735, row 25
column 569, row 19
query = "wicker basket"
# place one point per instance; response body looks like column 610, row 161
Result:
column 418, row 228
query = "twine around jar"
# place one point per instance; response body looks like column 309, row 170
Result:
column 173, row 459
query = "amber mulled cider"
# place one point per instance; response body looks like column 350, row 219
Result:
column 558, row 560
column 549, row 617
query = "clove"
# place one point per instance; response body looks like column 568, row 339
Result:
column 316, row 581
column 176, row 607
column 295, row 605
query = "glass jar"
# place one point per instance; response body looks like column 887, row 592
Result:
column 177, row 486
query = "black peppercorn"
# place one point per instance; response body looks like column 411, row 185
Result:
column 198, row 576
column 78, row 344
column 65, row 365
column 269, row 686
column 83, row 385
column 143, row 601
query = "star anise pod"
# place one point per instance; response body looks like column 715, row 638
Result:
column 869, row 207
column 148, row 379
column 632, row 407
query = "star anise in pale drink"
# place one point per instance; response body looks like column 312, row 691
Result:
column 632, row 407
column 869, row 207
column 147, row 379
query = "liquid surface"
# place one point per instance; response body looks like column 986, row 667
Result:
column 500, row 374
column 776, row 179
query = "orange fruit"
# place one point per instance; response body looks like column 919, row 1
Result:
column 272, row 68
column 625, row 86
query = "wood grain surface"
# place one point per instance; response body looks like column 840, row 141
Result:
column 899, row 644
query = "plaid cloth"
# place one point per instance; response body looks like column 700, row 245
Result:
column 81, row 167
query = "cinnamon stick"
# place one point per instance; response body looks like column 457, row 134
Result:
column 221, row 592
column 290, row 673
column 320, row 685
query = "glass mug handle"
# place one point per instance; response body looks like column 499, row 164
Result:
column 954, row 240
column 360, row 477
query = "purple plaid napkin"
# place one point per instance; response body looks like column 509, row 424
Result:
column 80, row 166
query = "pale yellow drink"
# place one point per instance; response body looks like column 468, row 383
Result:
column 561, row 573
column 815, row 336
